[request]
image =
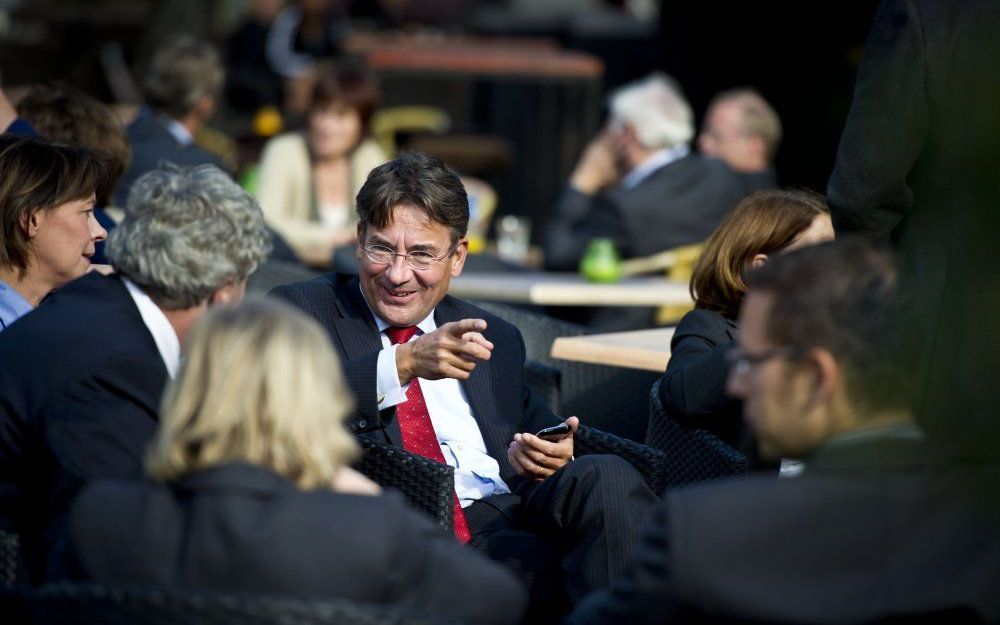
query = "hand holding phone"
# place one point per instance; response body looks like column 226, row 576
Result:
column 554, row 433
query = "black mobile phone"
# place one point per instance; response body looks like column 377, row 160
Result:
column 553, row 433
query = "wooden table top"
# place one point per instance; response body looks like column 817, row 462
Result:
column 568, row 289
column 639, row 349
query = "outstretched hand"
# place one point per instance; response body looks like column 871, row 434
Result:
column 537, row 459
column 451, row 351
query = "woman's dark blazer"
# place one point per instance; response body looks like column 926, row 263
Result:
column 241, row 528
column 693, row 390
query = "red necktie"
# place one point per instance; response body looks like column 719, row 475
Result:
column 418, row 431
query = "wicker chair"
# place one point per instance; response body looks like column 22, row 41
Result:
column 429, row 486
column 274, row 273
column 86, row 604
column 10, row 556
column 612, row 399
column 692, row 455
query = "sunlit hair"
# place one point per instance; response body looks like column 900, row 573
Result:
column 260, row 384
column 764, row 222
column 187, row 232
column 656, row 109
column 757, row 116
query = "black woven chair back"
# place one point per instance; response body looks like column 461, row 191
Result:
column 10, row 556
column 274, row 273
column 86, row 604
column 612, row 399
column 691, row 455
column 651, row 463
column 427, row 485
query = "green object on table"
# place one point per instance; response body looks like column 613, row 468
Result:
column 601, row 262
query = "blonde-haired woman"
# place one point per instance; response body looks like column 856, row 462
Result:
column 251, row 491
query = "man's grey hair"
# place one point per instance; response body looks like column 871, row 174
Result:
column 656, row 109
column 182, row 73
column 187, row 232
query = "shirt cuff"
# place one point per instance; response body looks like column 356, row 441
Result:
column 387, row 387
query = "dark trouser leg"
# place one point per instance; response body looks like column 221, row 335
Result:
column 533, row 558
column 596, row 507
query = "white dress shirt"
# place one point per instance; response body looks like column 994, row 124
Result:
column 163, row 333
column 477, row 474
column 653, row 162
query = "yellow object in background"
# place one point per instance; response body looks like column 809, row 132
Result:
column 267, row 121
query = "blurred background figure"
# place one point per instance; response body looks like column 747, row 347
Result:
column 305, row 34
column 744, row 131
column 182, row 88
column 638, row 182
column 68, row 115
column 250, row 456
column 47, row 196
column 251, row 82
column 308, row 180
column 693, row 389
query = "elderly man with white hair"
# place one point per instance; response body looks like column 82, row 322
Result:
column 638, row 183
column 81, row 376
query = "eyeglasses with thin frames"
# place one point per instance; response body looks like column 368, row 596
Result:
column 741, row 361
column 419, row 260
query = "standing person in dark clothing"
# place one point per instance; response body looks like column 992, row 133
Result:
column 917, row 170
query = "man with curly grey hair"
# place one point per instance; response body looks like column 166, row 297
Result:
column 81, row 376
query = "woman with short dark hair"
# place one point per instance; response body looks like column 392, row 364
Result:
column 763, row 224
column 47, row 195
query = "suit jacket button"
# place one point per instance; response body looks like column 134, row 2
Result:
column 361, row 424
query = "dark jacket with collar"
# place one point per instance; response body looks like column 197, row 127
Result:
column 678, row 204
column 80, row 386
column 241, row 528
column 151, row 143
column 502, row 403
column 876, row 526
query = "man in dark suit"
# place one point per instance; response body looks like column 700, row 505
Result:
column 638, row 184
column 182, row 88
column 452, row 386
column 878, row 525
column 81, row 376
column 917, row 169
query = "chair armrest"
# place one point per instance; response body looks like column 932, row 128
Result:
column 427, row 485
column 545, row 382
column 651, row 463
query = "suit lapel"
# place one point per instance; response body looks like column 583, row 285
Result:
column 360, row 337
column 356, row 330
column 480, row 388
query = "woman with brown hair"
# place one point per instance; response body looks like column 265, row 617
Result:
column 762, row 224
column 251, row 491
column 309, row 179
column 48, row 230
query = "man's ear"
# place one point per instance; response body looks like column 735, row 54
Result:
column 828, row 377
column 231, row 292
column 458, row 261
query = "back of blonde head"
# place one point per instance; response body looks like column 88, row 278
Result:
column 260, row 384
